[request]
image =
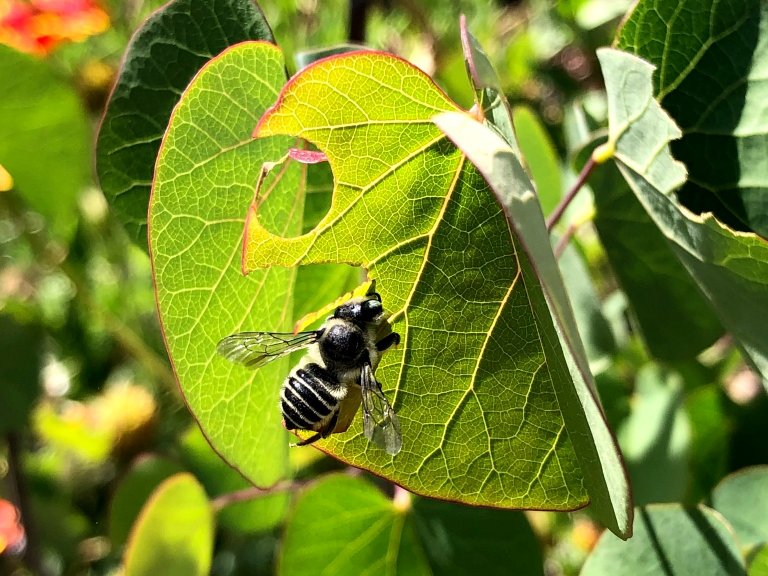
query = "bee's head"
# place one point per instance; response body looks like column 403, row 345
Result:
column 361, row 310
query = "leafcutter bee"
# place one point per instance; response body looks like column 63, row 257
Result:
column 324, row 390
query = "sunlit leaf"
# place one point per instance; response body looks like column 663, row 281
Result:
column 207, row 170
column 540, row 157
column 470, row 380
column 731, row 268
column 164, row 55
column 174, row 532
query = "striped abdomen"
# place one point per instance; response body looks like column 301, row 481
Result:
column 310, row 397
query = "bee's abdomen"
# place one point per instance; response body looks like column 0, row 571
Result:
column 306, row 398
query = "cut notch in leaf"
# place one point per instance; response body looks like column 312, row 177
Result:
column 480, row 419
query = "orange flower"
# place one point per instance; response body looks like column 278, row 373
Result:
column 38, row 26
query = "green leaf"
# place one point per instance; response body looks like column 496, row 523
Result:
column 375, row 535
column 44, row 138
column 251, row 516
column 669, row 539
column 710, row 78
column 133, row 491
column 470, row 382
column 182, row 36
column 540, row 157
column 758, row 565
column 174, row 532
column 21, row 347
column 655, row 438
column 731, row 268
column 710, row 437
column 742, row 498
column 668, row 309
column 206, row 172
column 601, row 463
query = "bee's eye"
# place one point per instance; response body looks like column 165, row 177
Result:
column 371, row 309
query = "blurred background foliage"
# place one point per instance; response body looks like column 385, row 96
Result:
column 90, row 416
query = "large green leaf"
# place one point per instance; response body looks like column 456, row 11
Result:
column 164, row 55
column 669, row 539
column 44, row 138
column 373, row 534
column 743, row 499
column 471, row 380
column 731, row 268
column 174, row 532
column 601, row 463
column 710, row 77
column 206, row 172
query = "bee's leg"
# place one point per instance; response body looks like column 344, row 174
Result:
column 388, row 341
column 325, row 432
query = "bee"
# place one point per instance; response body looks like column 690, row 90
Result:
column 324, row 390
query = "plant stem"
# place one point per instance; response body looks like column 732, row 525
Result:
column 32, row 556
column 251, row 493
column 554, row 218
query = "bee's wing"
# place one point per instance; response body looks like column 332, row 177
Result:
column 254, row 349
column 380, row 422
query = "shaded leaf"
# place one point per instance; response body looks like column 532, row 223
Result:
column 21, row 349
column 742, row 498
column 44, row 138
column 182, row 36
column 710, row 77
column 669, row 539
column 674, row 318
column 731, row 268
column 207, row 169
column 601, row 463
column 375, row 535
column 469, row 380
column 174, row 532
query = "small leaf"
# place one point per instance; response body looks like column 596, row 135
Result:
column 470, row 379
column 132, row 493
column 669, row 539
column 183, row 35
column 540, row 157
column 758, row 565
column 710, row 78
column 742, row 498
column 731, row 268
column 656, row 437
column 44, row 138
column 206, row 173
column 374, row 535
column 174, row 532
column 21, row 347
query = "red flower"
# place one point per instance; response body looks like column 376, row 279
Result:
column 38, row 26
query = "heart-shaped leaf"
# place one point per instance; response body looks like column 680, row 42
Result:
column 731, row 268
column 373, row 534
column 710, row 77
column 471, row 379
column 207, row 169
column 163, row 56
